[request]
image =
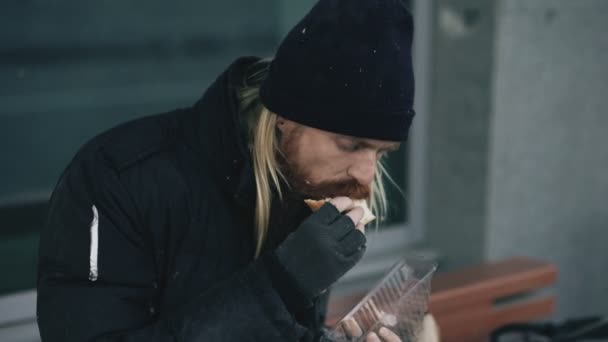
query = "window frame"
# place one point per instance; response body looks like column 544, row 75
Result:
column 384, row 247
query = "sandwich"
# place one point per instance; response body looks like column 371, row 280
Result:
column 368, row 216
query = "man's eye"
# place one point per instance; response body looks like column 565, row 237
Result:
column 355, row 147
column 350, row 147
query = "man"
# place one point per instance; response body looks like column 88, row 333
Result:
column 191, row 226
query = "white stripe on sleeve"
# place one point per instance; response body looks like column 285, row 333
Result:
column 93, row 273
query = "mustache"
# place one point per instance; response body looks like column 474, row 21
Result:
column 348, row 188
column 296, row 176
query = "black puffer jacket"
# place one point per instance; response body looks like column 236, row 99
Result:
column 150, row 236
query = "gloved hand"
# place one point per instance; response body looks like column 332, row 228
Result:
column 324, row 247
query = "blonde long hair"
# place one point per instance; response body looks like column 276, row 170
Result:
column 264, row 147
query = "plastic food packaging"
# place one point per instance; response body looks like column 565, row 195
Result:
column 398, row 302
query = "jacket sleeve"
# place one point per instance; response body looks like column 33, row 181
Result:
column 97, row 280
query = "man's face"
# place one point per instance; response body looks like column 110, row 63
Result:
column 322, row 164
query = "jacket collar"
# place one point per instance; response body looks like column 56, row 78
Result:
column 218, row 134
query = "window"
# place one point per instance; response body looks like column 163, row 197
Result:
column 66, row 78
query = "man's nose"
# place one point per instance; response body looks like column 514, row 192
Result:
column 364, row 171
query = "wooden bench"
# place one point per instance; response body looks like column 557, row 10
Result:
column 468, row 304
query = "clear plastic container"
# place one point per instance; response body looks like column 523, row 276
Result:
column 399, row 302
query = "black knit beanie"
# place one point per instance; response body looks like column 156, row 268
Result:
column 346, row 67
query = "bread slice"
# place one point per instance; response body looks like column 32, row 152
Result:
column 430, row 330
column 368, row 216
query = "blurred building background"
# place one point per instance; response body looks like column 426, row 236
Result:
column 508, row 155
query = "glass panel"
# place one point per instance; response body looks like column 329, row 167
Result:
column 19, row 228
column 397, row 167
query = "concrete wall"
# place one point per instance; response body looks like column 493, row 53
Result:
column 518, row 139
column 548, row 174
column 461, row 78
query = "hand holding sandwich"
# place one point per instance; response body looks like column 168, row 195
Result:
column 324, row 247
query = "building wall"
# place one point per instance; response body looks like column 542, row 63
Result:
column 548, row 174
column 459, row 109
